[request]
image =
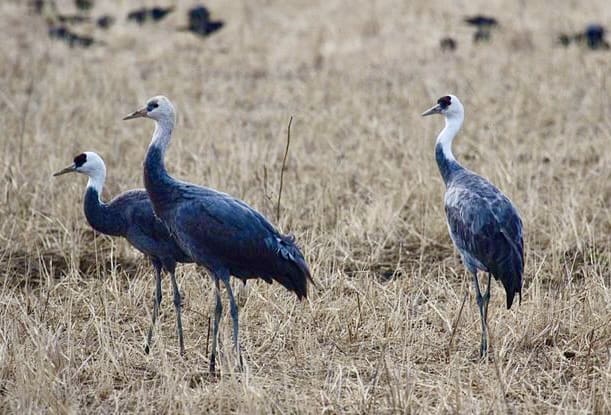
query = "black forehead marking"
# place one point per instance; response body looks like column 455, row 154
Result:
column 444, row 102
column 80, row 159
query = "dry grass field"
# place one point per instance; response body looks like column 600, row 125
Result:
column 362, row 194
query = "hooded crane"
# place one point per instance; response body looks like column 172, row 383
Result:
column 218, row 231
column 131, row 216
column 483, row 223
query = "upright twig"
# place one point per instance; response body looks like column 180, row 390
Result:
column 449, row 349
column 24, row 117
column 286, row 152
column 208, row 337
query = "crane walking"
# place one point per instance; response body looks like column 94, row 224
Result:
column 218, row 231
column 484, row 224
column 131, row 216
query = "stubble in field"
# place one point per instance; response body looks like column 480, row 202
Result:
column 362, row 194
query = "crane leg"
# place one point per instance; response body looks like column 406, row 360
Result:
column 218, row 311
column 486, row 300
column 156, row 303
column 234, row 316
column 177, row 307
column 482, row 303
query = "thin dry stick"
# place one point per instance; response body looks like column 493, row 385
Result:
column 208, row 337
column 24, row 117
column 455, row 326
column 286, row 152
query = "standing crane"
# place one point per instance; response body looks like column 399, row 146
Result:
column 131, row 216
column 483, row 223
column 218, row 231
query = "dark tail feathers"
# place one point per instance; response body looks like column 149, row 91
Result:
column 510, row 274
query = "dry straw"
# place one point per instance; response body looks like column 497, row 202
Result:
column 361, row 191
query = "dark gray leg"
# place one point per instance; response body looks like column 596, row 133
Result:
column 234, row 317
column 177, row 306
column 156, row 303
column 487, row 295
column 482, row 303
column 486, row 299
column 218, row 311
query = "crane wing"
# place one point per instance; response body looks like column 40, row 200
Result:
column 146, row 232
column 226, row 233
column 487, row 230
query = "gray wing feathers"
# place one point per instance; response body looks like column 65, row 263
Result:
column 226, row 233
column 146, row 232
column 487, row 231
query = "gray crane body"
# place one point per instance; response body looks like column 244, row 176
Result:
column 484, row 225
column 130, row 215
column 223, row 233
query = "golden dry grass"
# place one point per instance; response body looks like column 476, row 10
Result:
column 362, row 194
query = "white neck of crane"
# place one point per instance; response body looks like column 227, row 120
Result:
column 96, row 180
column 446, row 136
column 163, row 133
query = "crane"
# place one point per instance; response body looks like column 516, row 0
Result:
column 484, row 224
column 131, row 216
column 220, row 232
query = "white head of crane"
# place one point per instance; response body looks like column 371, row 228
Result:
column 158, row 108
column 161, row 110
column 448, row 106
column 452, row 109
column 90, row 164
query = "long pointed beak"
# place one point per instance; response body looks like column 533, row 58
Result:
column 65, row 170
column 433, row 110
column 136, row 114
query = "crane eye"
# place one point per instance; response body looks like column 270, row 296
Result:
column 151, row 106
column 444, row 102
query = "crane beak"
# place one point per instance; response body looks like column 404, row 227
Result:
column 65, row 170
column 433, row 110
column 136, row 114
